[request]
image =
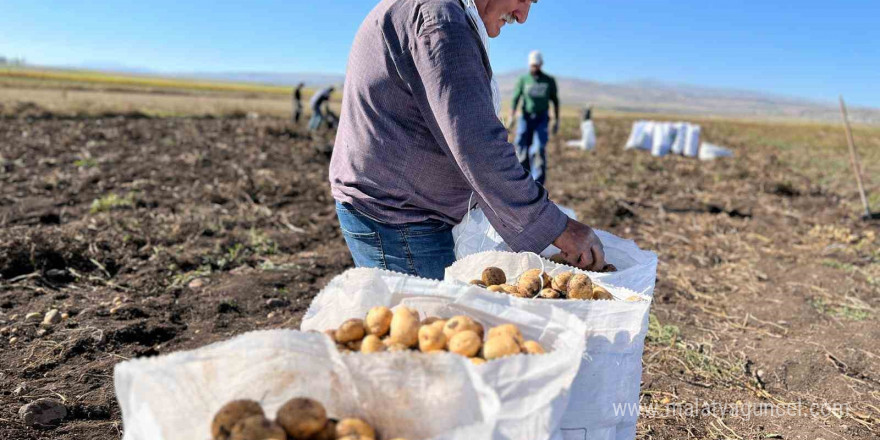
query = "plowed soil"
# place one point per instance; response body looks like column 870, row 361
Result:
column 157, row 235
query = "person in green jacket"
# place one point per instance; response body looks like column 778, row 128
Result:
column 537, row 90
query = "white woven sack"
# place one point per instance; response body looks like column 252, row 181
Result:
column 680, row 130
column 692, row 143
column 475, row 234
column 176, row 396
column 636, row 269
column 534, row 390
column 640, row 136
column 606, row 388
column 662, row 138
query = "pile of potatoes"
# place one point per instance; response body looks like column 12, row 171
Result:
column 298, row 419
column 384, row 330
column 537, row 284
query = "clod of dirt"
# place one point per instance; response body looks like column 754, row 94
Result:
column 197, row 283
column 43, row 413
column 276, row 303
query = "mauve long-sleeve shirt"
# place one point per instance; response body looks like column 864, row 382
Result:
column 418, row 134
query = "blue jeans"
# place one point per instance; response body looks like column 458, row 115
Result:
column 316, row 120
column 423, row 249
column 533, row 155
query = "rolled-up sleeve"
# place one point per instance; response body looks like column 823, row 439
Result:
column 453, row 92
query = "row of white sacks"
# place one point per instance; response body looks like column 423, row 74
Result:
column 662, row 138
column 585, row 387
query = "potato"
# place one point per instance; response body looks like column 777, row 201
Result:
column 609, row 268
column 506, row 329
column 466, row 343
column 599, row 292
column 551, row 294
column 356, row 428
column 493, row 276
column 378, row 321
column 478, row 283
column 396, row 346
column 580, row 287
column 302, row 417
column 257, row 428
column 496, row 288
column 405, row 327
column 478, row 361
column 354, row 345
column 558, row 259
column 342, row 348
column 331, row 333
column 510, row 289
column 633, row 298
column 232, row 413
column 460, row 323
column 532, row 347
column 328, row 432
column 431, row 338
column 531, row 281
column 351, row 330
column 372, row 344
column 500, row 346
column 560, row 281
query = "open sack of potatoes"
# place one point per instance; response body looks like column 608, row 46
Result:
column 179, row 395
column 611, row 368
column 636, row 268
column 534, row 389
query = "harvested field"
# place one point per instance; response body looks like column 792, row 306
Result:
column 156, row 235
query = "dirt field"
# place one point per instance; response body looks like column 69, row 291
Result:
column 157, row 235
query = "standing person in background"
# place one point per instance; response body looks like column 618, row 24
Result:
column 317, row 104
column 537, row 90
column 297, row 103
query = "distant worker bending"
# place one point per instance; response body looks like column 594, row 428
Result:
column 537, row 90
column 319, row 103
column 297, row 103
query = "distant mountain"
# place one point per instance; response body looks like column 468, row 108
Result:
column 649, row 96
column 311, row 80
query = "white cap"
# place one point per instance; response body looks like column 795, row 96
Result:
column 536, row 59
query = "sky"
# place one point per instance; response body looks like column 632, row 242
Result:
column 811, row 49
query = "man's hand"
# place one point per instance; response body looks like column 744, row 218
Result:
column 581, row 247
column 555, row 127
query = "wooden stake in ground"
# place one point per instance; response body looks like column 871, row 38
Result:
column 854, row 158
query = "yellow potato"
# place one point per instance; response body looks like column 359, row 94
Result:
column 466, row 343
column 633, row 298
column 478, row 283
column 507, row 329
column 257, row 428
column 500, row 346
column 493, row 276
column 356, row 428
column 560, row 281
column 478, row 361
column 532, row 347
column 460, row 323
column 600, row 292
column 378, row 321
column 551, row 294
column 431, row 338
column 496, row 288
column 405, row 327
column 354, row 345
column 531, row 282
column 302, row 417
column 232, row 413
column 351, row 330
column 372, row 344
column 580, row 287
